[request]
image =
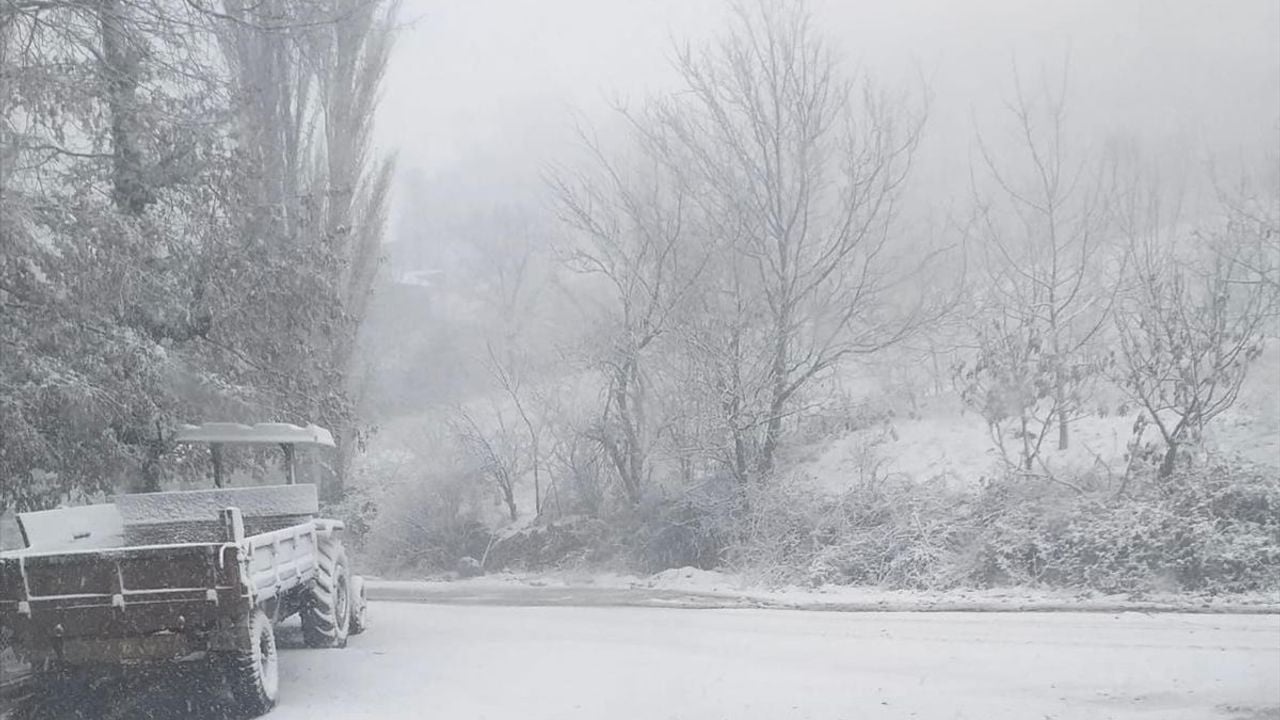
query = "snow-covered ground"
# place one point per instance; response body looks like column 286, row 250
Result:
column 957, row 447
column 469, row 662
column 693, row 587
column 498, row 662
column 951, row 443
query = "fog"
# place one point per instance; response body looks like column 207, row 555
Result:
column 492, row 88
column 616, row 258
column 772, row 304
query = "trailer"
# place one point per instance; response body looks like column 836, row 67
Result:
column 196, row 576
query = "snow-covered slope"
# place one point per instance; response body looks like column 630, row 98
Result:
column 945, row 441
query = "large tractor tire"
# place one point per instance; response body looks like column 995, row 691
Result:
column 326, row 617
column 254, row 672
column 359, row 606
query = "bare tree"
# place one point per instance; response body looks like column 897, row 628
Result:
column 1251, row 238
column 495, row 448
column 579, row 462
column 631, row 232
column 1192, row 323
column 508, row 263
column 509, row 372
column 797, row 173
column 1041, row 233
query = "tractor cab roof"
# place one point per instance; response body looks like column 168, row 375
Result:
column 261, row 433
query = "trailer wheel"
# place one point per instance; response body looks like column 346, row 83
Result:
column 326, row 618
column 254, row 673
column 359, row 606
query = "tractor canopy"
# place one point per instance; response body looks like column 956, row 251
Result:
column 261, row 433
column 287, row 436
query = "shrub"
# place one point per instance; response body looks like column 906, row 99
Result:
column 1211, row 528
column 358, row 511
column 687, row 529
column 889, row 532
column 1208, row 528
column 548, row 545
column 897, row 533
column 429, row 524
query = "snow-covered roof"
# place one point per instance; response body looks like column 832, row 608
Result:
column 74, row 528
column 195, row 505
column 267, row 433
column 419, row 278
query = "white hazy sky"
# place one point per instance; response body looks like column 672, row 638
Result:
column 490, row 87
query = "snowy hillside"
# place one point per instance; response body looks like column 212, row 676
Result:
column 949, row 442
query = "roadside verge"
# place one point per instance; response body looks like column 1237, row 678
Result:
column 536, row 591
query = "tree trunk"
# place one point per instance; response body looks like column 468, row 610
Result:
column 631, row 460
column 121, row 61
column 537, row 488
column 778, row 398
column 1169, row 461
column 1063, row 432
column 121, row 66
column 732, row 403
column 509, row 497
column 1026, row 446
column 151, row 475
column 153, row 447
column 343, row 457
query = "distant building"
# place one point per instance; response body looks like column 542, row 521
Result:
column 419, row 278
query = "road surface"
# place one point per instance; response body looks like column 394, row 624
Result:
column 489, row 662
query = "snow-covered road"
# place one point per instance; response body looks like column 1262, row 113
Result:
column 546, row 661
column 532, row 663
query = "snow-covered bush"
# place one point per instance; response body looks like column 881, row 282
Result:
column 428, row 523
column 550, row 544
column 358, row 511
column 1210, row 528
column 890, row 532
column 774, row 535
column 685, row 529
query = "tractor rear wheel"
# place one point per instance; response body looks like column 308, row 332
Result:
column 326, row 617
column 254, row 672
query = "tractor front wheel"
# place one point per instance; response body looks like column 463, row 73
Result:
column 359, row 606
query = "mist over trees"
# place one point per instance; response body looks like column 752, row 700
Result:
column 650, row 348
column 641, row 356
